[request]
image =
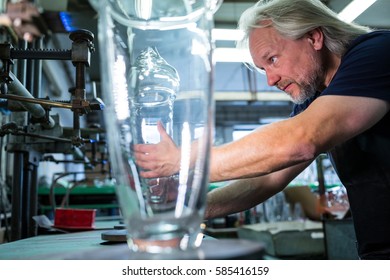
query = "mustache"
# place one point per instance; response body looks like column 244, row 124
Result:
column 283, row 84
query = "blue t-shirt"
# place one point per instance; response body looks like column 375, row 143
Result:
column 363, row 162
column 364, row 70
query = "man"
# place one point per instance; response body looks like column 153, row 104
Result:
column 338, row 74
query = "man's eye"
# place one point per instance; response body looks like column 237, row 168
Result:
column 273, row 59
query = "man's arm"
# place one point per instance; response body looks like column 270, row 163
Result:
column 328, row 121
column 244, row 194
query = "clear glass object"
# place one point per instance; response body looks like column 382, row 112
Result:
column 156, row 68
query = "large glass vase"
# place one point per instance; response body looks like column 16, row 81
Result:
column 157, row 73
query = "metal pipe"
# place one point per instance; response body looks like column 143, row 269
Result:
column 37, row 111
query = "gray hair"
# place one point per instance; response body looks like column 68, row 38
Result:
column 294, row 18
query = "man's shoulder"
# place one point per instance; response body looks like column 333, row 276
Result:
column 372, row 38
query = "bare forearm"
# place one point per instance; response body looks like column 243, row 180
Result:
column 227, row 200
column 260, row 153
column 238, row 196
column 244, row 194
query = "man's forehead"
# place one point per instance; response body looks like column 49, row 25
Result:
column 261, row 33
column 264, row 36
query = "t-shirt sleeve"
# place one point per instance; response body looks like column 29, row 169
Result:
column 364, row 70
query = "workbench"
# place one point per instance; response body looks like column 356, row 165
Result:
column 88, row 245
column 305, row 239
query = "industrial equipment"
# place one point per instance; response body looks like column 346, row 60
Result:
column 32, row 132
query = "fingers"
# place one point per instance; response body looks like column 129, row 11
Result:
column 153, row 166
column 149, row 174
column 144, row 148
column 165, row 137
column 145, row 158
column 159, row 159
column 147, row 164
column 162, row 131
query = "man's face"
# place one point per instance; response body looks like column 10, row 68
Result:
column 293, row 66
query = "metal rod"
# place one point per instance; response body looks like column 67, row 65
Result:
column 17, row 194
column 26, row 198
column 322, row 187
column 18, row 133
column 32, row 229
column 36, row 90
column 37, row 101
column 22, row 64
column 30, row 75
column 80, row 78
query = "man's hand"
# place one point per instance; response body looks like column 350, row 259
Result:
column 158, row 160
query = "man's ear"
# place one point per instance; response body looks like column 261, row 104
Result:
column 316, row 38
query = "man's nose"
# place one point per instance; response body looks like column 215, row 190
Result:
column 272, row 78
